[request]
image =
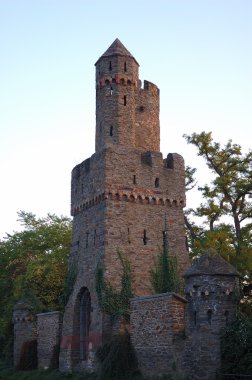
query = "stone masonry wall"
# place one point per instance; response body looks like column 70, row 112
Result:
column 121, row 198
column 147, row 136
column 24, row 329
column 157, row 327
column 212, row 301
column 49, row 334
column 127, row 212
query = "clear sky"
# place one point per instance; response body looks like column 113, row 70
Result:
column 198, row 52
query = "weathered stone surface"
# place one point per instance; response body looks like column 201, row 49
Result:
column 24, row 328
column 212, row 291
column 49, row 333
column 121, row 197
column 157, row 331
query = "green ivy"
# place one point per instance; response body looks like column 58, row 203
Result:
column 68, row 284
column 116, row 303
column 164, row 273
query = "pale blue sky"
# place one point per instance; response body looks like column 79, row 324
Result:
column 197, row 52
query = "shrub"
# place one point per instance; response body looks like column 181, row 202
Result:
column 237, row 334
column 117, row 359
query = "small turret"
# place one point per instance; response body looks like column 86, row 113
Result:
column 116, row 83
column 126, row 114
column 212, row 289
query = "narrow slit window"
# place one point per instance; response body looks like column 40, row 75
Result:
column 94, row 237
column 157, row 182
column 209, row 317
column 145, row 239
column 125, row 100
column 111, row 130
column 125, row 66
column 226, row 316
column 110, row 66
column 134, row 179
column 111, row 91
column 195, row 317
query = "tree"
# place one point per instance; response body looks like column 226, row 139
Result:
column 228, row 195
column 33, row 260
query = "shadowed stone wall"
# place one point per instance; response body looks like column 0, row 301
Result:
column 213, row 292
column 49, row 333
column 157, row 332
column 24, row 329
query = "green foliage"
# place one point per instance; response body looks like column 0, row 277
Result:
column 41, row 374
column 114, row 302
column 68, row 283
column 117, row 359
column 164, row 274
column 236, row 346
column 225, row 215
column 33, row 264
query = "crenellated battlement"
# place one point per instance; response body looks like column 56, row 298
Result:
column 127, row 196
column 123, row 80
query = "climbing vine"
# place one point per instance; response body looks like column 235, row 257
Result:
column 114, row 302
column 164, row 273
column 68, row 283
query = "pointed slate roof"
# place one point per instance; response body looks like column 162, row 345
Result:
column 211, row 264
column 117, row 48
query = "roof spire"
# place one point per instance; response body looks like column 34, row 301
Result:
column 117, row 48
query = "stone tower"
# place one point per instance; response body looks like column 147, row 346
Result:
column 213, row 292
column 120, row 199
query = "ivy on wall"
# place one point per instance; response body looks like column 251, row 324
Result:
column 164, row 273
column 114, row 302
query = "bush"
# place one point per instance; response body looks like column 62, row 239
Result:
column 237, row 334
column 117, row 359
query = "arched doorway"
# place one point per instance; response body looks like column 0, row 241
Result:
column 85, row 307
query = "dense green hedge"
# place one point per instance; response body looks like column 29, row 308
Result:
column 236, row 346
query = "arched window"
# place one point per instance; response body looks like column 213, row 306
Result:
column 85, row 308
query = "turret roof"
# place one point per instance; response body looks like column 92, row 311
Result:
column 211, row 264
column 117, row 48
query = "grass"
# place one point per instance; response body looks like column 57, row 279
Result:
column 54, row 374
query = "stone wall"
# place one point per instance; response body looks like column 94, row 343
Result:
column 157, row 332
column 121, row 198
column 213, row 292
column 49, row 334
column 24, row 329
